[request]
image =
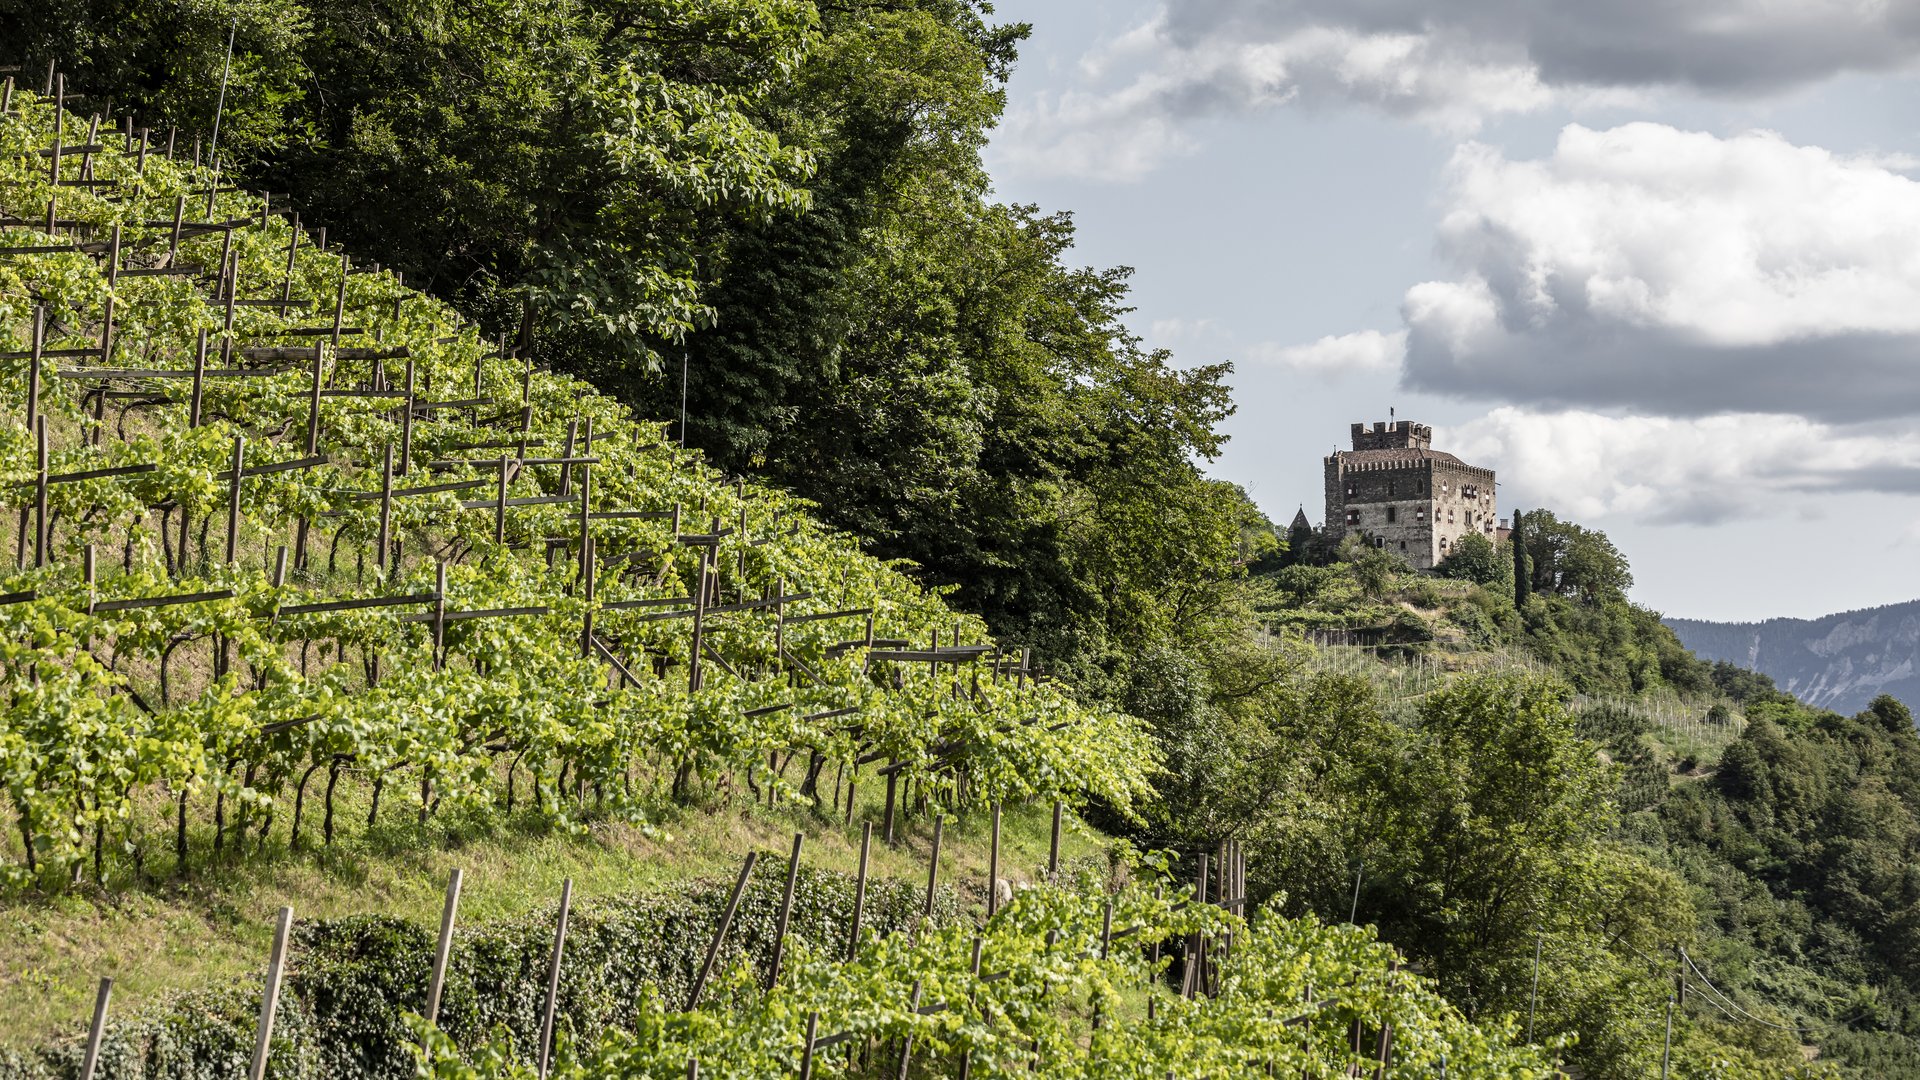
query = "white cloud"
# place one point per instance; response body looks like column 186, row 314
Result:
column 1676, row 272
column 1664, row 469
column 1449, row 65
column 1122, row 131
column 1360, row 353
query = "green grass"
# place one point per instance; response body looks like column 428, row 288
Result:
column 216, row 925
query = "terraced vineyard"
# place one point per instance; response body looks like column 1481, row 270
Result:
column 283, row 525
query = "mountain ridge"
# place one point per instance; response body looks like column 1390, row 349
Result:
column 1840, row 661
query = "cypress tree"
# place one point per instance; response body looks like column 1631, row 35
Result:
column 1522, row 578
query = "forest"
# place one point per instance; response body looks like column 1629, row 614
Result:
column 739, row 261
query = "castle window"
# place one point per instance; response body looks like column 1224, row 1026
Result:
column 1393, row 488
column 1353, row 517
column 1403, row 545
column 1349, row 491
column 1391, row 515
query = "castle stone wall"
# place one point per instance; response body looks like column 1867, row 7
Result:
column 1404, row 497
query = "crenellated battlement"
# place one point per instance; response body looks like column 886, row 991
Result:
column 1394, row 435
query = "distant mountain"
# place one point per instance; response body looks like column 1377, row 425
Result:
column 1838, row 662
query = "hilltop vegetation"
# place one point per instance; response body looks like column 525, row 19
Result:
column 785, row 202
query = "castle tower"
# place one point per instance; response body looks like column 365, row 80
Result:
column 1404, row 496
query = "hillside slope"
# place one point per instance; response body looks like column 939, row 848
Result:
column 1839, row 662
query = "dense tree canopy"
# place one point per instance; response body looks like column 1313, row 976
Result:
column 773, row 215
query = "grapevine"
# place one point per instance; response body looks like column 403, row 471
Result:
column 295, row 522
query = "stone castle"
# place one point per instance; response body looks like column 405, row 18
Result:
column 1394, row 489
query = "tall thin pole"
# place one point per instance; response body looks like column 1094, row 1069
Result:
column 94, row 1033
column 720, row 932
column 786, row 912
column 1353, row 916
column 220, row 107
column 444, row 948
column 993, row 866
column 683, row 399
column 1666, row 1048
column 1533, row 996
column 270, row 997
column 553, row 975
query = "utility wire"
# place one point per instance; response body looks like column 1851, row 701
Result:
column 1736, row 1005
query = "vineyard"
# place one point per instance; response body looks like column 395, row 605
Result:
column 290, row 538
column 282, row 526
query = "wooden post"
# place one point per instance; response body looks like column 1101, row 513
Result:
column 340, row 298
column 586, row 497
column 179, row 215
column 59, row 125
column 806, row 1050
column 906, row 1045
column 106, row 320
column 40, row 552
column 386, row 510
column 933, row 869
column 233, row 496
column 1190, row 982
column 270, row 997
column 699, row 618
column 1053, row 849
column 786, row 910
column 293, row 248
column 87, row 575
column 566, row 451
column 860, row 889
column 553, row 975
column 33, row 367
column 500, row 505
column 313, row 399
column 586, row 593
column 198, row 396
column 893, row 784
column 444, row 949
column 780, row 634
column 230, row 271
column 993, row 865
column 439, row 616
column 406, row 422
column 97, row 1030
column 720, row 932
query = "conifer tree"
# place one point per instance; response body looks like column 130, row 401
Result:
column 1522, row 576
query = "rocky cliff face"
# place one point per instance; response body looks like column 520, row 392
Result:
column 1838, row 662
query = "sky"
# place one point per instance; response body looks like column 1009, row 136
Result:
column 1656, row 263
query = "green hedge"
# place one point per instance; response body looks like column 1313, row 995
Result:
column 351, row 980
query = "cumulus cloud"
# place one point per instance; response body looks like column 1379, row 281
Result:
column 1703, row 470
column 1678, row 273
column 1360, row 353
column 1718, row 46
column 1449, row 65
